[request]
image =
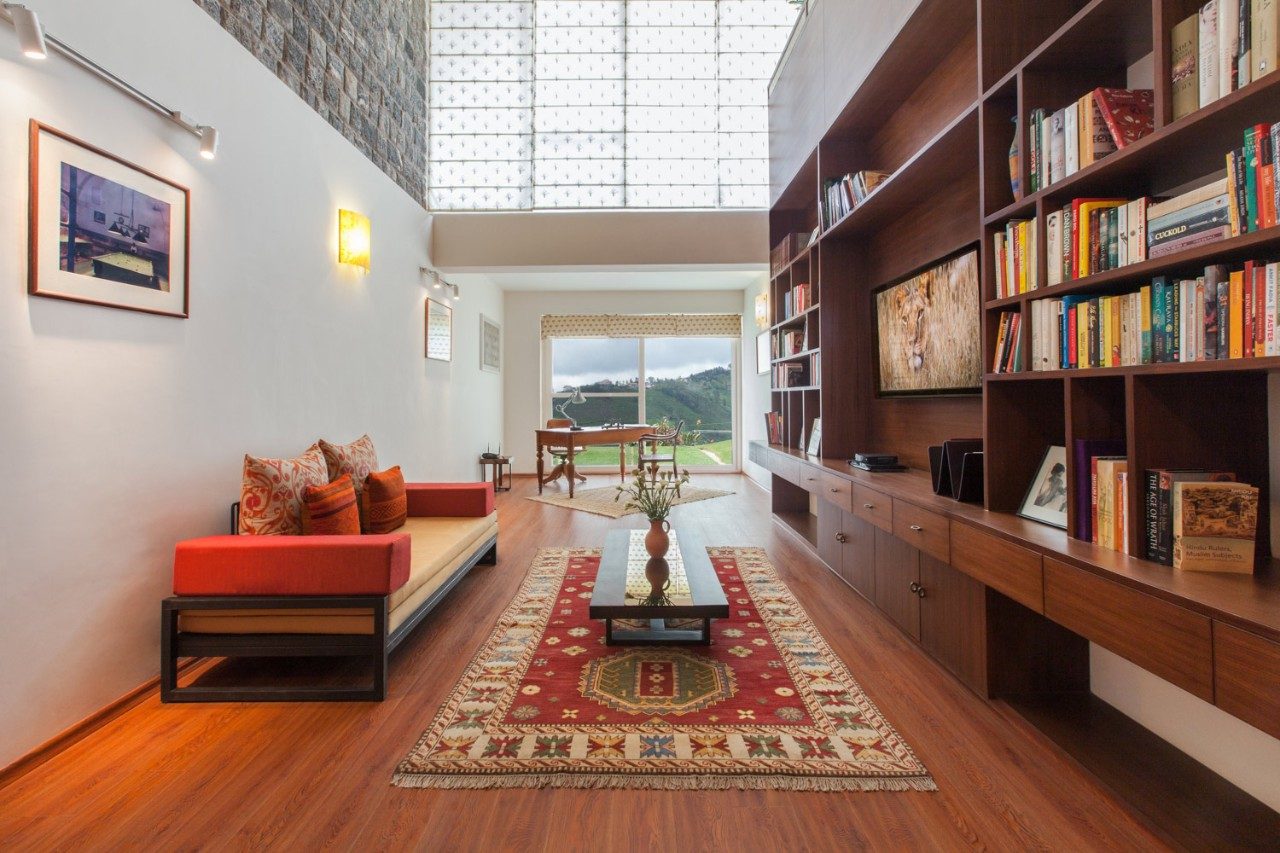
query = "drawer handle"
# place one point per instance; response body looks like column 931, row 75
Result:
column 811, row 479
column 917, row 528
column 835, row 491
column 868, row 506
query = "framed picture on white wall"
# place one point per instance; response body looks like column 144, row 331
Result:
column 104, row 231
column 762, row 352
column 490, row 345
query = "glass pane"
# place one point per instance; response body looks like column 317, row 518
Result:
column 598, row 411
column 692, row 379
column 596, row 365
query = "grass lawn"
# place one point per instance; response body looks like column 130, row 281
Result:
column 716, row 453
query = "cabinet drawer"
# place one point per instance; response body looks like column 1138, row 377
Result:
column 836, row 489
column 870, row 505
column 1246, row 675
column 786, row 467
column 758, row 454
column 1001, row 565
column 922, row 529
column 1170, row 641
column 810, row 478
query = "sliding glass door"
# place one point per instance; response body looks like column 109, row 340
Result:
column 658, row 381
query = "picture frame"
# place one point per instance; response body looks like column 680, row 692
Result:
column 104, row 231
column 814, row 447
column 1046, row 497
column 928, row 328
column 439, row 331
column 490, row 345
column 763, row 353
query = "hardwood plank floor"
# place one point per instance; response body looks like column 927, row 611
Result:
column 278, row 776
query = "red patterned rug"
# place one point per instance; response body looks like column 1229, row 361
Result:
column 767, row 705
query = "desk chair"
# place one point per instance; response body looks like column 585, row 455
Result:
column 561, row 455
column 654, row 456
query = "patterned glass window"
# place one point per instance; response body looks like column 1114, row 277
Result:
column 601, row 103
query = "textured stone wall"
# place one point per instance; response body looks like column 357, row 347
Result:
column 361, row 64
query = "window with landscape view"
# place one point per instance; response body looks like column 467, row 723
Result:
column 658, row 381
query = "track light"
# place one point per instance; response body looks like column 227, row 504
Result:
column 208, row 142
column 457, row 295
column 30, row 33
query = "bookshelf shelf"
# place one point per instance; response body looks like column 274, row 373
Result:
column 795, row 319
column 797, row 388
column 1269, row 364
column 803, row 255
column 796, row 356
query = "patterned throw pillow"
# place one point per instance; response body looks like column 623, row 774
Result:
column 272, row 489
column 331, row 510
column 357, row 459
column 383, row 504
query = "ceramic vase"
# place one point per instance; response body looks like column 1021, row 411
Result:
column 658, row 539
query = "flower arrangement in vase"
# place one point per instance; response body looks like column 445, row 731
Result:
column 654, row 498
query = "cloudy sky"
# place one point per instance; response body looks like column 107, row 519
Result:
column 583, row 361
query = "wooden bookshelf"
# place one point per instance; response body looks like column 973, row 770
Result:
column 943, row 130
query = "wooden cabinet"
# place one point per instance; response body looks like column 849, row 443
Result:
column 897, row 577
column 953, row 621
column 872, row 506
column 1001, row 565
column 810, row 478
column 928, row 531
column 836, row 489
column 847, row 545
column 786, row 467
column 1246, row 677
column 1170, row 641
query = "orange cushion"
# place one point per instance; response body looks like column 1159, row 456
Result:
column 383, row 502
column 271, row 491
column 331, row 510
column 357, row 459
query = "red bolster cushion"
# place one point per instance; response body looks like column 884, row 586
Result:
column 450, row 500
column 291, row 565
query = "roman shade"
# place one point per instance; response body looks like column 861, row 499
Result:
column 641, row 326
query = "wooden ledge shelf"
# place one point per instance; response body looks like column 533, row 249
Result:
column 796, row 356
column 797, row 388
column 786, row 268
column 1268, row 364
column 909, row 185
column 1103, row 32
column 794, row 319
column 1251, row 603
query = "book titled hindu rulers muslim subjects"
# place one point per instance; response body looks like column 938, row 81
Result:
column 1214, row 526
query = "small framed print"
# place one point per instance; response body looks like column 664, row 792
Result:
column 1046, row 498
column 104, row 231
column 439, row 323
column 490, row 345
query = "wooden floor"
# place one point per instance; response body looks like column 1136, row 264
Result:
column 299, row 776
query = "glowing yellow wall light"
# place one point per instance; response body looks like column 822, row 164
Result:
column 353, row 238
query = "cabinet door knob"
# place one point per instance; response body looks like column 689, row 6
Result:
column 919, row 590
column 868, row 506
column 917, row 528
column 840, row 537
column 915, row 587
column 835, row 491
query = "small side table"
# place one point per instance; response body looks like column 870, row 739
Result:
column 499, row 463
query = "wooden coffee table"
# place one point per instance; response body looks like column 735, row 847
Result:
column 631, row 585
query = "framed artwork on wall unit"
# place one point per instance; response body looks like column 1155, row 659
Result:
column 490, row 345
column 928, row 331
column 1046, row 498
column 104, row 231
column 439, row 324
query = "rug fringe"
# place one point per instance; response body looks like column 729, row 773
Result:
column 616, row 781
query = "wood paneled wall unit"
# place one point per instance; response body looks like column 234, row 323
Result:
column 1009, row 605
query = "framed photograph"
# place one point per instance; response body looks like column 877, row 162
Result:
column 763, row 352
column 490, row 345
column 928, row 331
column 439, row 331
column 815, row 438
column 104, row 231
column 1046, row 499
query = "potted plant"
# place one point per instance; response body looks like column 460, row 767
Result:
column 654, row 498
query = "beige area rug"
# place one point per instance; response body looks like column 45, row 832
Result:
column 768, row 705
column 601, row 501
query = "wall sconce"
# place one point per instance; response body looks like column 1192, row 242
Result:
column 353, row 239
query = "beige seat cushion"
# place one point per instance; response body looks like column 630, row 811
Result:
column 438, row 548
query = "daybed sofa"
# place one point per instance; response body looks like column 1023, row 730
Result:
column 355, row 596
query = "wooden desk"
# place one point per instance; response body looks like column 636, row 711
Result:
column 576, row 439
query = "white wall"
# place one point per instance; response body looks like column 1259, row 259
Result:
column 756, row 399
column 125, row 431
column 522, row 355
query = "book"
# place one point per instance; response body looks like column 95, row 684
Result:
column 1057, row 147
column 1159, row 507
column 1228, row 33
column 1053, row 237
column 1071, row 138
column 1108, row 518
column 1214, row 277
column 1235, row 315
column 1083, row 453
column 1208, row 49
column 1266, row 177
column 1251, row 177
column 1244, row 57
column 1264, row 21
column 1081, row 210
column 1214, row 527
column 1184, row 47
column 1129, row 114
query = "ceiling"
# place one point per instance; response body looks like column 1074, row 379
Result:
column 739, row 277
